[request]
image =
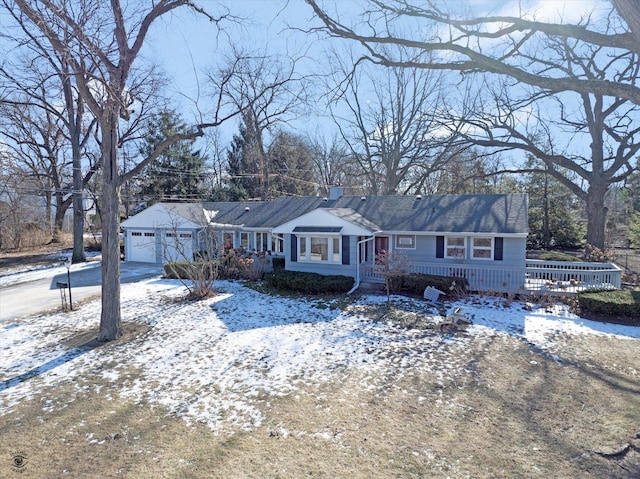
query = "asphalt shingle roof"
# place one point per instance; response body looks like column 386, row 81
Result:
column 494, row 214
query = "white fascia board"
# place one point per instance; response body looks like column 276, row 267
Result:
column 225, row 226
column 452, row 233
column 159, row 217
column 320, row 217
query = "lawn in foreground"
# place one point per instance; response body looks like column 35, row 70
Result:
column 252, row 386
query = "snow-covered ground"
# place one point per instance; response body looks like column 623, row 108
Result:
column 220, row 361
column 20, row 274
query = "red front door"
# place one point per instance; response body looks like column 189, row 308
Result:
column 382, row 245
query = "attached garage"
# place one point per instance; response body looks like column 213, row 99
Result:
column 177, row 246
column 161, row 233
column 141, row 246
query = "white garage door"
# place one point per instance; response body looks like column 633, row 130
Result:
column 177, row 246
column 142, row 246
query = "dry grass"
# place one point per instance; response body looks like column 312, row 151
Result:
column 501, row 409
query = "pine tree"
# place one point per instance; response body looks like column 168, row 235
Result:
column 243, row 171
column 178, row 174
column 553, row 213
column 291, row 165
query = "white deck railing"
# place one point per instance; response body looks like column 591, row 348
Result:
column 537, row 276
column 499, row 279
column 573, row 277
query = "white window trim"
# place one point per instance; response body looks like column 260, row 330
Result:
column 330, row 251
column 258, row 243
column 248, row 237
column 277, row 244
column 400, row 246
column 233, row 238
column 447, row 246
column 482, row 248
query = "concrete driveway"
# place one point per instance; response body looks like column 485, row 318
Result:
column 41, row 295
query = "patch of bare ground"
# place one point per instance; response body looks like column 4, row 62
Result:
column 35, row 256
column 490, row 407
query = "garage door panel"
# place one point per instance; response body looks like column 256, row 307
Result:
column 142, row 246
column 178, row 246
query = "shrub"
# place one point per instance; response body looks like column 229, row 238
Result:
column 619, row 305
column 596, row 255
column 415, row 283
column 197, row 276
column 235, row 264
column 278, row 263
column 558, row 256
column 176, row 270
column 308, row 283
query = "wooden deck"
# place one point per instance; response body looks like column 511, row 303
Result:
column 537, row 277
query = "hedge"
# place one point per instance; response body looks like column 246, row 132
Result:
column 308, row 283
column 416, row 283
column 558, row 256
column 620, row 305
column 179, row 270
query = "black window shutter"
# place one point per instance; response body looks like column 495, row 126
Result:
column 498, row 248
column 294, row 248
column 439, row 246
column 345, row 249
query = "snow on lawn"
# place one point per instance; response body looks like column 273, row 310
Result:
column 220, row 361
column 21, row 275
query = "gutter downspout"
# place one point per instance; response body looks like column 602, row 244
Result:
column 356, row 285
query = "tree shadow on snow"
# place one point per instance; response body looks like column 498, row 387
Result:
column 50, row 365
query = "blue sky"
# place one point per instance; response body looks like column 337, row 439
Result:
column 188, row 45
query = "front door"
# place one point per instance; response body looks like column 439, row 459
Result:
column 382, row 245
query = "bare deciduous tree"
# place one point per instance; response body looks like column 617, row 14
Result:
column 41, row 100
column 269, row 92
column 387, row 118
column 101, row 42
column 596, row 61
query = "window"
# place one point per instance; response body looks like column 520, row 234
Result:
column 482, row 248
column 170, row 235
column 277, row 245
column 302, row 249
column 406, row 241
column 185, row 235
column 244, row 240
column 319, row 248
column 227, row 239
column 454, row 247
column 262, row 241
column 149, row 235
column 136, row 233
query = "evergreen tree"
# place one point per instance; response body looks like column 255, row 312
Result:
column 553, row 212
column 178, row 174
column 243, row 170
column 634, row 230
column 291, row 165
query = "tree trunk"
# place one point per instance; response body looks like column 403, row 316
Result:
column 596, row 213
column 78, row 207
column 110, row 319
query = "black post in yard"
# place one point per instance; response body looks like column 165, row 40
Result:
column 67, row 263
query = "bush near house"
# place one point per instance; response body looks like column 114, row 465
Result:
column 182, row 269
column 277, row 263
column 415, row 283
column 308, row 283
column 622, row 306
column 558, row 256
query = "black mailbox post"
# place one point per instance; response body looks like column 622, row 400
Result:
column 67, row 264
